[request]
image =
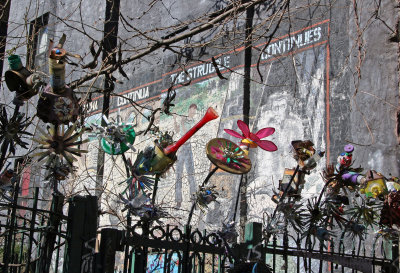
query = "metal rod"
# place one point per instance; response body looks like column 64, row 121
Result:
column 58, row 250
column 12, row 227
column 237, row 199
column 21, row 250
column 32, row 227
column 155, row 187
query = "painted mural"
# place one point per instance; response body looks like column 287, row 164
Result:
column 292, row 97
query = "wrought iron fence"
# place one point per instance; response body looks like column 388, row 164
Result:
column 32, row 239
column 171, row 249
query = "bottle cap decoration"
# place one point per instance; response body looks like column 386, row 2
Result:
column 228, row 156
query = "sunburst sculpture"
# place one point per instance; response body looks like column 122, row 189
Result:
column 13, row 130
column 60, row 143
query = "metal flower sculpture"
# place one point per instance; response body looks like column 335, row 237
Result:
column 13, row 130
column 60, row 143
column 116, row 137
column 228, row 232
column 272, row 225
column 321, row 233
column 355, row 229
column 364, row 213
column 137, row 183
column 205, row 196
column 254, row 140
column 294, row 214
column 140, row 206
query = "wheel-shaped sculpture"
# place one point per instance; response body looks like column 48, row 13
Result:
column 228, row 156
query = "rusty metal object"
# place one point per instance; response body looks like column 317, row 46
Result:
column 58, row 109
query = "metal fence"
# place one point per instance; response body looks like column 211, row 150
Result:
column 171, row 249
column 48, row 241
column 32, row 239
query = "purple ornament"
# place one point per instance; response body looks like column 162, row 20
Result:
column 349, row 148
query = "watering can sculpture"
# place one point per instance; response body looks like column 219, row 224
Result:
column 157, row 159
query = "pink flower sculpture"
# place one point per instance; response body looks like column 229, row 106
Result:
column 254, row 140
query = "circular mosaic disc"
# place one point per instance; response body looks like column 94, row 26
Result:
column 228, row 156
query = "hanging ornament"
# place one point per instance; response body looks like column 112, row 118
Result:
column 355, row 229
column 58, row 104
column 22, row 81
column 343, row 175
column 57, row 169
column 305, row 154
column 228, row 232
column 226, row 155
column 140, row 206
column 152, row 160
